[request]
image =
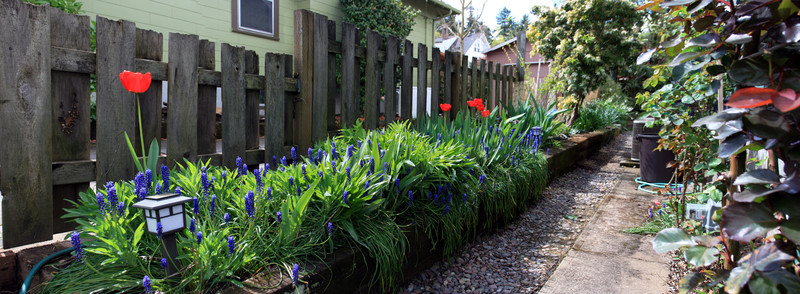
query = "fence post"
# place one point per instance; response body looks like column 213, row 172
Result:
column 182, row 98
column 26, row 178
column 460, row 79
column 71, row 108
column 149, row 45
column 448, row 81
column 289, row 107
column 233, row 105
column 474, row 80
column 274, row 106
column 350, row 80
column 251, row 104
column 436, row 73
column 422, row 80
column 304, row 65
column 372, row 83
column 484, row 80
column 489, row 85
column 116, row 51
column 407, row 80
column 331, row 93
column 206, row 103
column 504, row 92
column 389, row 80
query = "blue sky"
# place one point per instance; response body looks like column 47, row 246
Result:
column 518, row 8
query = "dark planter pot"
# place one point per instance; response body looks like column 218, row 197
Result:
column 653, row 164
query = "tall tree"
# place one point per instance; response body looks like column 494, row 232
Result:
column 464, row 24
column 505, row 24
column 588, row 41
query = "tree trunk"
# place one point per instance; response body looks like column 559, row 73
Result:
column 576, row 111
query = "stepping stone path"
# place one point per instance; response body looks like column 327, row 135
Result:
column 571, row 237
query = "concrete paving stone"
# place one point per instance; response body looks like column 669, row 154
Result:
column 601, row 273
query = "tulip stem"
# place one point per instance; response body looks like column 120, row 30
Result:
column 141, row 134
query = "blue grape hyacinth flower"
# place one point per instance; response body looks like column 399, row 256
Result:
column 344, row 197
column 192, row 226
column 295, row 274
column 330, row 229
column 227, row 217
column 165, row 177
column 196, row 207
column 101, row 202
column 163, row 262
column 148, row 288
column 213, row 204
column 279, row 216
column 231, row 245
column 75, row 239
column 249, row 204
column 199, row 238
column 160, row 230
column 294, row 155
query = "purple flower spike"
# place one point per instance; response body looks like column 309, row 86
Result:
column 101, row 202
column 75, row 239
column 199, row 238
column 213, row 203
column 465, row 198
column 160, row 230
column 294, row 155
column 410, row 198
column 192, row 226
column 121, row 209
column 304, row 169
column 295, row 274
column 330, row 229
column 291, row 181
column 344, row 197
column 148, row 288
column 348, row 172
column 231, row 245
column 227, row 217
column 310, row 153
column 279, row 216
column 274, row 160
column 249, row 204
column 196, row 205
column 165, row 177
column 163, row 262
column 178, row 190
column 269, row 193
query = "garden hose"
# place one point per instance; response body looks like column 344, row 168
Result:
column 39, row 266
column 643, row 184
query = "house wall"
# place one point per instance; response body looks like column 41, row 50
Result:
column 212, row 20
column 506, row 55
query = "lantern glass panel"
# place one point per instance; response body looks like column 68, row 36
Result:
column 151, row 225
column 177, row 209
column 164, row 212
column 173, row 222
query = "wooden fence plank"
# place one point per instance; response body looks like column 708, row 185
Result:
column 25, row 127
column 474, row 84
column 206, row 103
column 274, row 114
column 116, row 48
column 483, row 80
column 512, row 78
column 435, row 82
column 407, row 81
column 149, row 45
column 182, row 98
column 497, row 85
column 350, row 89
column 489, row 85
column 233, row 105
column 252, row 99
column 372, row 79
column 422, row 82
column 389, row 81
column 71, row 122
column 304, row 66
column 448, row 80
column 319, row 86
column 332, row 94
column 289, row 105
column 459, row 84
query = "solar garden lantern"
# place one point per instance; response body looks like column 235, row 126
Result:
column 165, row 210
column 537, row 131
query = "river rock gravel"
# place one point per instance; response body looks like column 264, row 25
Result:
column 520, row 257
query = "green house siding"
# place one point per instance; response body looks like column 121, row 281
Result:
column 212, row 20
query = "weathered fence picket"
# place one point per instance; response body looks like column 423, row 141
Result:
column 45, row 103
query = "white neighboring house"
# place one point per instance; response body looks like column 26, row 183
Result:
column 474, row 45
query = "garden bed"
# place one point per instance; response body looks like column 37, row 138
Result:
column 349, row 271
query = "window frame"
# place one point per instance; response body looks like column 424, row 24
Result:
column 235, row 27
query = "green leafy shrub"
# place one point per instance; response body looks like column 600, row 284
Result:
column 362, row 189
column 600, row 114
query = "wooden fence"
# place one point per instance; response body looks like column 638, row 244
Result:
column 45, row 143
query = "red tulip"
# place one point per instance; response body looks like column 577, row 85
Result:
column 472, row 103
column 480, row 107
column 135, row 82
column 486, row 113
column 478, row 101
column 445, row 107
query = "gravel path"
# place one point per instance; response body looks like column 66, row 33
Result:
column 520, row 257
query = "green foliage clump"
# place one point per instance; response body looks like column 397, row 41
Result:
column 588, row 42
column 599, row 114
column 445, row 179
column 68, row 6
column 386, row 17
column 753, row 46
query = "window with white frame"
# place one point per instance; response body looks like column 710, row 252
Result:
column 256, row 17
